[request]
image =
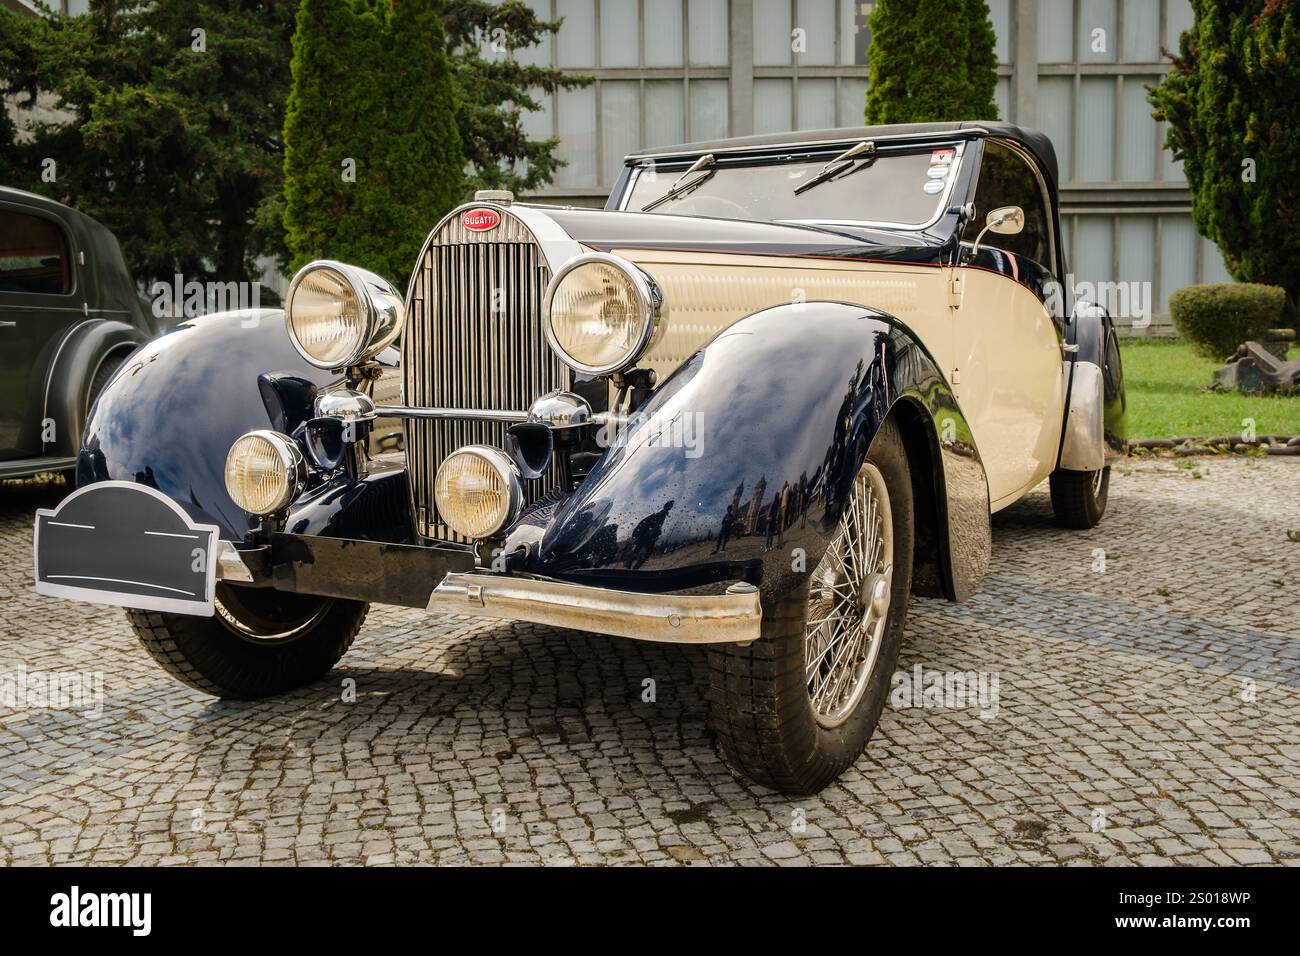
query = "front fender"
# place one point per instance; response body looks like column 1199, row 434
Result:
column 170, row 415
column 739, row 464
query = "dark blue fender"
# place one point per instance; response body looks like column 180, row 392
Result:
column 739, row 464
column 169, row 417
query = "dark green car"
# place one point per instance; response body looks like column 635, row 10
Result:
column 69, row 317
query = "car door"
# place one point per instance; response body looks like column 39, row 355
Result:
column 40, row 297
column 1008, row 371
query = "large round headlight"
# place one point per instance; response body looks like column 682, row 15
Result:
column 602, row 313
column 477, row 491
column 264, row 472
column 340, row 315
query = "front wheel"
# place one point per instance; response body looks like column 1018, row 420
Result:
column 1079, row 497
column 795, row 708
column 260, row 642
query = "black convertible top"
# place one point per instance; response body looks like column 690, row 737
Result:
column 1031, row 139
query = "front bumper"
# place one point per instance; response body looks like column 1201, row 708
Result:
column 124, row 543
column 401, row 574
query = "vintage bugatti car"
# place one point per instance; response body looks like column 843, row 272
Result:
column 777, row 386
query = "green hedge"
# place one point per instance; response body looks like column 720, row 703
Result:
column 1217, row 318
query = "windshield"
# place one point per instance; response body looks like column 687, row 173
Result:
column 905, row 188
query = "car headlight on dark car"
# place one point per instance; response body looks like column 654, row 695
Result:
column 602, row 313
column 339, row 315
column 265, row 471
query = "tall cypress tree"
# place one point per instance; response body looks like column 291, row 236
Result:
column 1234, row 122
column 336, row 55
column 420, row 171
column 372, row 151
column 931, row 60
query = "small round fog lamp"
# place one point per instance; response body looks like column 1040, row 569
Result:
column 264, row 472
column 477, row 491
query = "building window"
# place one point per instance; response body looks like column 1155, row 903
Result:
column 810, row 60
column 660, row 69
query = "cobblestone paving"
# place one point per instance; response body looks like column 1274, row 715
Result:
column 1146, row 713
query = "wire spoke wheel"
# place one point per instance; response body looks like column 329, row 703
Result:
column 848, row 603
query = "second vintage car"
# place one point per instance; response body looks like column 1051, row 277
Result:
column 69, row 317
column 774, row 389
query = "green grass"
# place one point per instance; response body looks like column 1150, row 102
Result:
column 1164, row 379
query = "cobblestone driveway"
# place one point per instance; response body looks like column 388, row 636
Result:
column 1146, row 712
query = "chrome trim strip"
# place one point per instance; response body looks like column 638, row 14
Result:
column 546, row 415
column 455, row 414
column 53, row 367
column 734, row 617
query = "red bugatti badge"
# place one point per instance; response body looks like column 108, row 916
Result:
column 480, row 220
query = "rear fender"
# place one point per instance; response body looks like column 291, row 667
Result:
column 65, row 383
column 1095, row 430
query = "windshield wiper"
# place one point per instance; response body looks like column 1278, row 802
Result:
column 678, row 188
column 839, row 164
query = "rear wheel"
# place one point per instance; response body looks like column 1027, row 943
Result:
column 795, row 708
column 1079, row 497
column 260, row 642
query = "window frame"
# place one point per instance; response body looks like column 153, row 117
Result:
column 21, row 209
column 813, row 151
column 1045, row 194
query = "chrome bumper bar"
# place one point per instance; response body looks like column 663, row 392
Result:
column 733, row 617
column 507, row 415
column 230, row 564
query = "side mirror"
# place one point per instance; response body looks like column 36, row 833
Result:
column 1005, row 220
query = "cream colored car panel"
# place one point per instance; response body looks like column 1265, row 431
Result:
column 1000, row 339
column 705, row 294
column 1011, row 381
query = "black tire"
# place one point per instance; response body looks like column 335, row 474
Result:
column 107, row 369
column 761, row 707
column 1079, row 497
column 302, row 638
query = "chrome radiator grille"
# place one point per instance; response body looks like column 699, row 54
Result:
column 473, row 340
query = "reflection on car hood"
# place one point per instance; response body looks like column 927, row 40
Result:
column 605, row 231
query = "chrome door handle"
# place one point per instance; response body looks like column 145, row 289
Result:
column 7, row 325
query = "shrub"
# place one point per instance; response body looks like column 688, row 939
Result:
column 1217, row 318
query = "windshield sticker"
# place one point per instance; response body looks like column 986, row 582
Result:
column 933, row 186
column 937, row 172
column 939, row 156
